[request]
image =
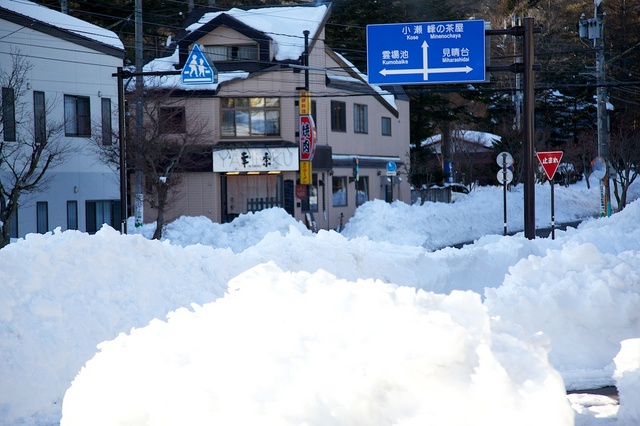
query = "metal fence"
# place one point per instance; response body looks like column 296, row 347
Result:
column 257, row 204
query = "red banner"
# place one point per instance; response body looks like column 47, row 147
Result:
column 307, row 138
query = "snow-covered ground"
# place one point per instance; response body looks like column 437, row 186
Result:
column 262, row 322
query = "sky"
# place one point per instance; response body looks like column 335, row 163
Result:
column 260, row 321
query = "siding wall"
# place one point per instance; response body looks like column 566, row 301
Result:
column 61, row 67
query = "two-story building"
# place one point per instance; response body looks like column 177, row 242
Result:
column 68, row 98
column 266, row 60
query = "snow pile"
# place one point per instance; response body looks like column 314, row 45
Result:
column 570, row 295
column 298, row 348
column 627, row 375
column 562, row 304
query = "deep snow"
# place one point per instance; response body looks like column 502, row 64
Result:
column 262, row 321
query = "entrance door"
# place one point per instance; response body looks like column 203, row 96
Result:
column 250, row 193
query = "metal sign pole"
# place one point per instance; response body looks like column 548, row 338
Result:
column 529, row 123
column 553, row 214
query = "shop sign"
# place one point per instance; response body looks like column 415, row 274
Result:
column 255, row 160
column 301, row 191
column 305, row 173
column 304, row 103
column 307, row 138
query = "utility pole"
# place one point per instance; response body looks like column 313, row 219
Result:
column 518, row 94
column 139, row 179
column 526, row 30
column 593, row 29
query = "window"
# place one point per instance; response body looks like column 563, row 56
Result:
column 72, row 214
column 77, row 116
column 339, row 191
column 39, row 118
column 8, row 114
column 310, row 202
column 386, row 126
column 14, row 224
column 239, row 52
column 386, row 189
column 42, row 216
column 107, row 130
column 338, row 116
column 172, row 120
column 360, row 123
column 248, row 117
column 102, row 212
column 362, row 190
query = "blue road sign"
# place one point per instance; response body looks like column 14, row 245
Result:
column 197, row 69
column 426, row 52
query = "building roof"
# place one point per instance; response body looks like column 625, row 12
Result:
column 58, row 24
column 284, row 25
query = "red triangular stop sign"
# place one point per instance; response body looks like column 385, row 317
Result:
column 550, row 161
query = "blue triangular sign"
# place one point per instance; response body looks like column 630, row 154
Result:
column 197, row 69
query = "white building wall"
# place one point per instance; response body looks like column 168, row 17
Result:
column 61, row 67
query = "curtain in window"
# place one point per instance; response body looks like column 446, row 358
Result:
column 70, row 123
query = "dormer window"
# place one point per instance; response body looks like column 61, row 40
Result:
column 232, row 53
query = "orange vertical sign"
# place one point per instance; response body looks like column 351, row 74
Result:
column 304, row 103
column 305, row 173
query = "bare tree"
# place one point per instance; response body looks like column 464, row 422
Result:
column 625, row 158
column 171, row 144
column 31, row 144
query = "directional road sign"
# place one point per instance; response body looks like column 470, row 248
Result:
column 197, row 69
column 550, row 161
column 426, row 52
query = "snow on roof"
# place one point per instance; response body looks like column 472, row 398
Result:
column 175, row 81
column 62, row 21
column 482, row 138
column 285, row 25
column 388, row 96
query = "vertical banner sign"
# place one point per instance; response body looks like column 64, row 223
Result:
column 307, row 138
column 304, row 103
column 305, row 173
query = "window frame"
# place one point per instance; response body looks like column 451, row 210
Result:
column 342, row 185
column 77, row 116
column 232, row 52
column 106, row 121
column 9, row 132
column 362, row 185
column 42, row 217
column 338, row 116
column 248, row 109
column 360, row 118
column 72, row 214
column 384, row 120
column 172, row 120
column 13, row 220
column 109, row 210
column 39, row 117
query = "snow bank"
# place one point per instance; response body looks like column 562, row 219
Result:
column 627, row 375
column 299, row 348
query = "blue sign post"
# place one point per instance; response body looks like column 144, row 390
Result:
column 426, row 52
column 197, row 69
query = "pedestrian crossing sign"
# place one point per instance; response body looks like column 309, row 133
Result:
column 197, row 69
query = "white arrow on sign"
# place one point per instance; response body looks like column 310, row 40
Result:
column 425, row 70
